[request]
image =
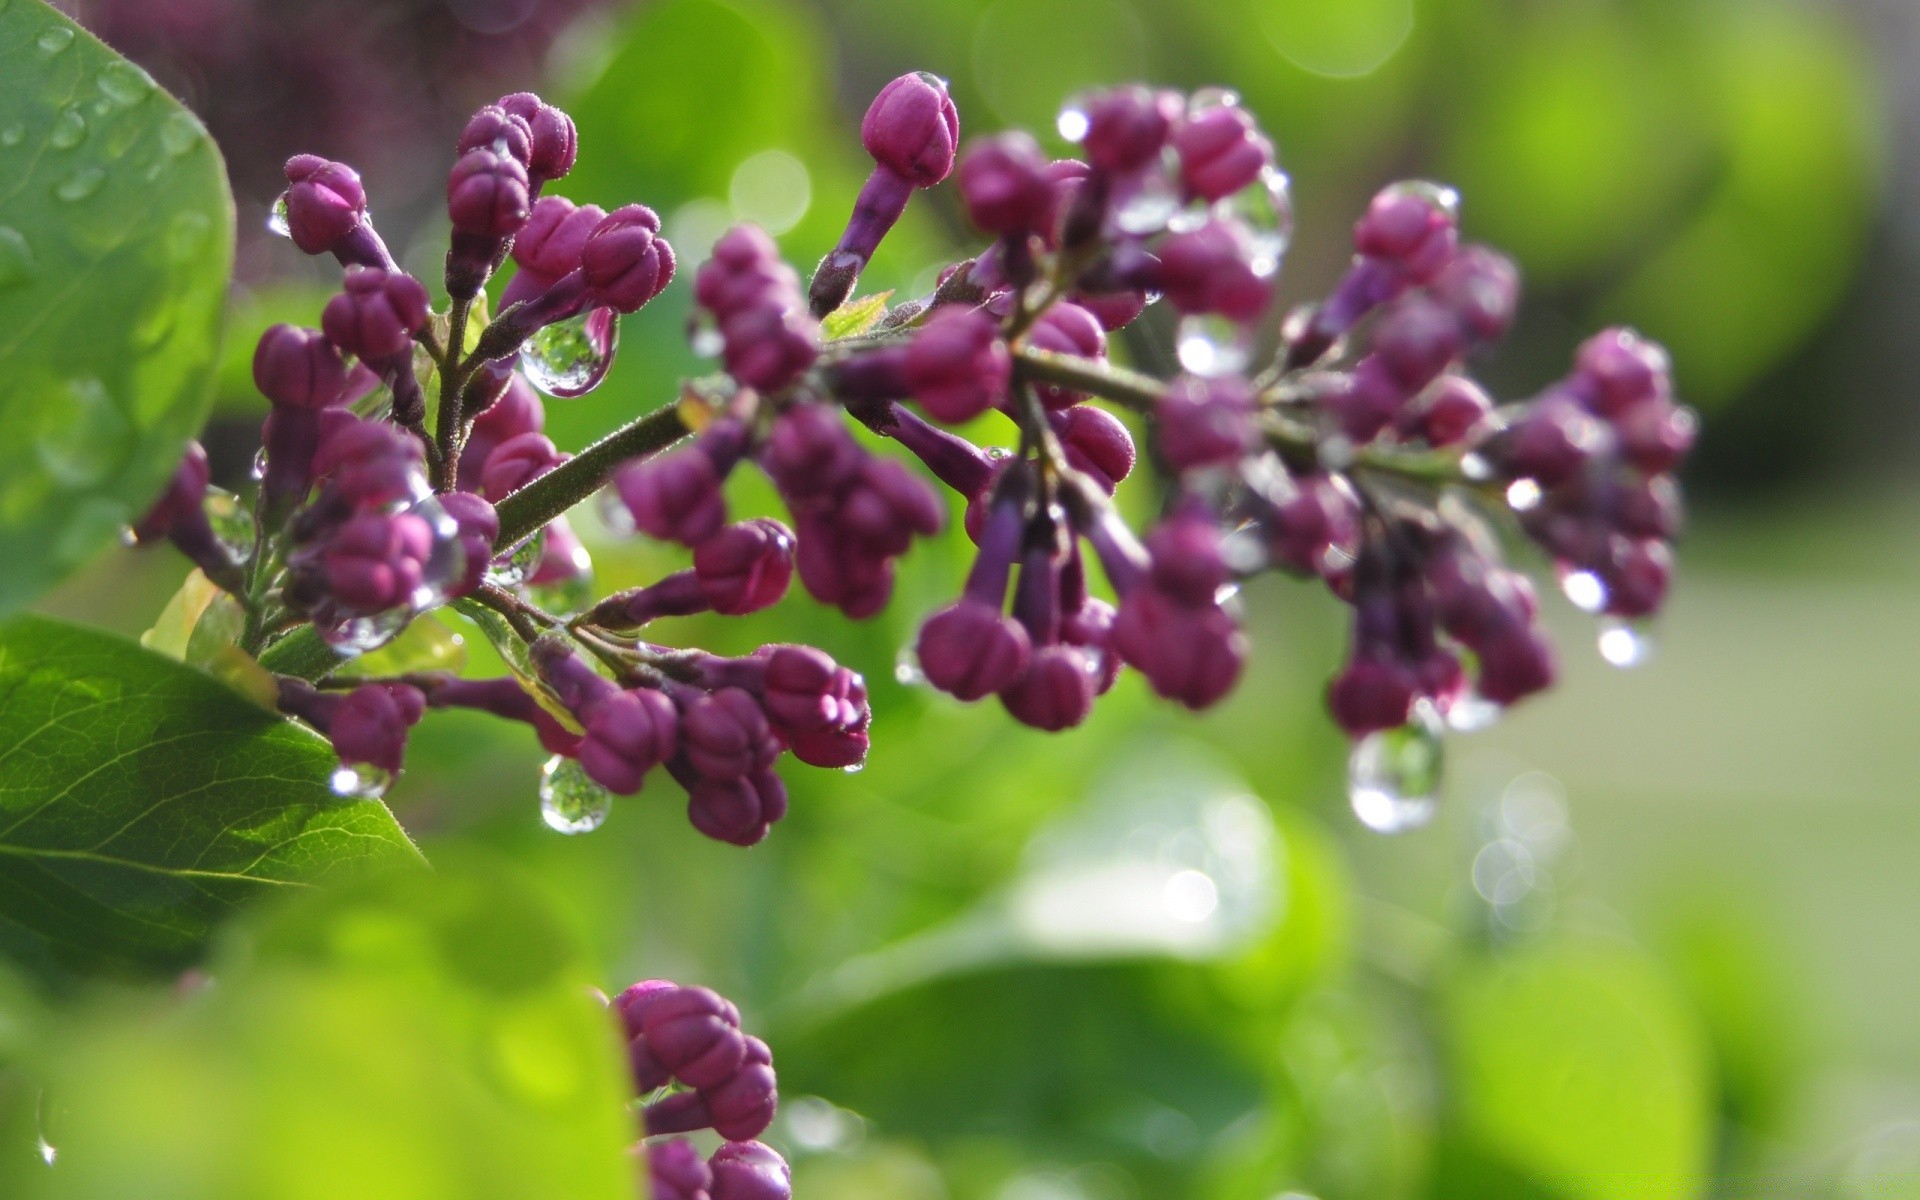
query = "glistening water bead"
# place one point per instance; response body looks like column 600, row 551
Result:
column 1393, row 777
column 569, row 801
column 570, row 358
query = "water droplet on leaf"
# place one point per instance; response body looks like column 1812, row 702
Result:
column 360, row 781
column 16, row 257
column 80, row 185
column 54, row 39
column 124, row 83
column 570, row 358
column 570, row 802
column 69, row 129
column 232, row 522
column 179, row 133
column 353, row 636
column 1393, row 776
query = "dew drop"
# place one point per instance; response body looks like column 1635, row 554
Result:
column 80, row 185
column 1472, row 712
column 1523, row 495
column 354, row 636
column 1073, row 122
column 1211, row 345
column 179, row 133
column 231, row 520
column 1147, row 203
column 13, row 135
column 1584, row 589
column 47, row 1153
column 515, row 568
column 906, row 668
column 1265, row 209
column 570, row 358
column 704, row 337
column 258, row 470
column 446, row 561
column 69, row 129
column 855, row 768
column 54, row 39
column 1624, row 645
column 1393, row 777
column 570, row 802
column 277, row 218
column 360, row 781
column 16, row 257
column 124, row 83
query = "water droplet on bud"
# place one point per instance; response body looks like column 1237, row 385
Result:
column 1211, row 345
column 855, row 768
column 277, row 218
column 1584, row 589
column 232, row 522
column 570, row 358
column 259, row 468
column 570, row 802
column 1623, row 644
column 354, row 636
column 906, row 668
column 1523, row 495
column 1073, row 122
column 1393, row 777
column 515, row 568
column 1471, row 712
column 360, row 781
column 1148, row 201
column 1265, row 208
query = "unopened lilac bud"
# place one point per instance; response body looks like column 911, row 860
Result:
column 298, row 368
column 556, row 233
column 1649, row 507
column 375, row 562
column 325, row 202
column 1656, row 434
column 738, row 811
column 1550, row 442
column 377, row 314
column 1514, row 664
column 1313, row 524
column 1097, row 443
column 487, row 195
column 1004, row 185
column 1054, row 693
column 912, row 128
column 1637, row 576
column 555, row 141
column 517, row 462
column 1221, row 151
column 1448, row 412
column 1416, row 340
column 1211, row 270
column 186, row 492
column 746, row 567
column 843, row 740
column 632, row 1004
column 494, row 128
column 1205, row 422
column 1617, row 369
column 750, row 1171
column 368, row 464
column 1412, row 226
column 1481, row 287
column 743, row 1106
column 956, row 366
column 972, row 650
column 371, row 724
column 810, row 452
column 626, row 261
column 1128, row 126
column 675, row 497
column 1371, row 695
column 628, row 733
column 478, row 526
column 1066, row 329
column 889, row 506
column 1189, row 562
column 517, row 410
column 725, row 735
column 1190, row 654
column 675, row 1171
column 689, row 1033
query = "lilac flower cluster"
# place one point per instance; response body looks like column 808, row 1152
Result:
column 405, row 469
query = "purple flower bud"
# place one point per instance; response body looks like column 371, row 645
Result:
column 1366, row 401
column 1481, row 288
column 1190, row 654
column 377, row 315
column 1221, row 151
column 1649, row 507
column 750, row 1171
column 746, row 567
column 564, row 558
column 1004, row 184
column 1314, row 528
column 1055, row 692
column 371, row 724
column 675, row 497
column 972, row 650
column 1448, row 412
column 374, row 562
column 487, row 195
column 725, row 735
column 1096, row 442
column 743, row 1106
column 186, row 491
column 1616, row 370
column 689, row 1032
column 912, row 128
column 325, row 202
column 1189, row 565
column 810, row 452
column 494, row 128
column 298, row 368
column 479, row 525
column 556, row 233
column 1090, row 627
column 1128, row 126
column 1066, row 329
column 842, row 740
column 1210, row 270
column 957, row 366
column 367, row 464
column 517, row 411
column 887, row 506
column 632, row 1004
column 1550, row 442
column 1515, row 664
column 625, row 260
column 767, row 341
column 1656, row 434
column 1114, row 310
column 1412, row 226
column 1637, row 576
column 556, row 143
column 675, row 1171
column 737, row 811
column 1205, row 422
column 1416, row 340
column 1371, row 695
column 517, row 462
column 628, row 733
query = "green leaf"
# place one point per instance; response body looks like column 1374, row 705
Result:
column 855, row 317
column 422, row 1035
column 141, row 802
column 116, row 237
column 1576, row 1065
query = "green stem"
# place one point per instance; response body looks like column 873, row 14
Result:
column 582, row 475
column 1130, row 389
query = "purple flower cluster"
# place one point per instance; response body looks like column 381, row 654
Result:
column 689, row 1038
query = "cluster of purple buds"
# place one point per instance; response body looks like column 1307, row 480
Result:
column 688, row 1039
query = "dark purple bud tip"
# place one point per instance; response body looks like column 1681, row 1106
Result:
column 972, row 650
column 628, row 733
column 1211, row 270
column 675, row 1171
column 479, row 525
column 633, row 1003
column 1190, row 654
column 494, row 128
column 1414, row 226
column 1637, row 577
column 487, row 195
column 956, row 366
column 1617, row 369
column 739, row 812
column 298, row 368
column 371, row 724
column 325, row 202
column 1205, row 422
column 695, row 1035
column 1097, row 443
column 725, row 735
column 1128, row 126
column 1372, row 695
column 810, row 452
column 1481, row 287
column 1515, row 664
column 555, row 234
column 1416, row 340
column 1067, row 329
column 750, row 1171
column 675, row 497
column 1004, row 184
column 368, row 464
column 746, row 567
column 1448, row 412
column 1189, row 565
column 556, row 143
column 375, row 563
column 1221, row 151
column 517, row 462
column 185, row 493
column 743, row 1106
column 626, row 261
column 377, row 315
column 912, row 128
column 1055, row 692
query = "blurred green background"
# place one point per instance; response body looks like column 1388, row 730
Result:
column 1661, row 940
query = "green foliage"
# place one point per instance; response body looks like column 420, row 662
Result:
column 141, row 802
column 116, row 236
column 415, row 1037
